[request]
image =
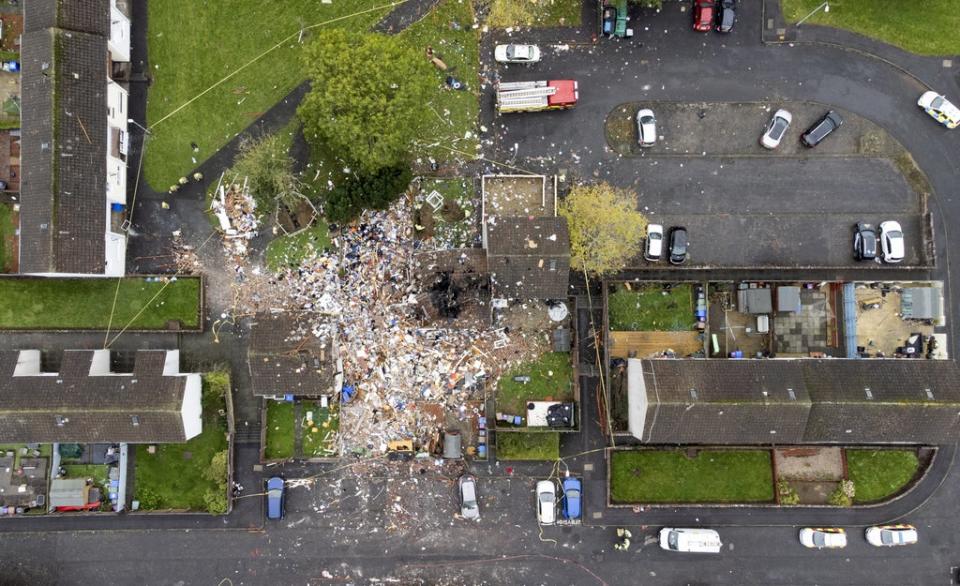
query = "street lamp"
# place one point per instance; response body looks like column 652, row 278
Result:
column 825, row 6
column 138, row 125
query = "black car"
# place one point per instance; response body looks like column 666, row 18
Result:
column 609, row 20
column 822, row 129
column 864, row 241
column 726, row 15
column 678, row 245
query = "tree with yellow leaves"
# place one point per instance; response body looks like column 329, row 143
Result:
column 606, row 230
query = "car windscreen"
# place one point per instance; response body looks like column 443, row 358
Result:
column 819, row 539
column 779, row 127
column 655, row 236
column 672, row 540
column 893, row 235
column 646, row 119
column 936, row 103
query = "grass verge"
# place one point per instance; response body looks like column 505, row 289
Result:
column 669, row 476
column 211, row 40
column 63, row 304
column 646, row 308
column 877, row 474
column 931, row 27
column 179, row 476
column 507, row 13
column 9, row 222
column 551, row 379
column 281, row 432
column 528, row 446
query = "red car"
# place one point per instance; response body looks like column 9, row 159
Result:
column 704, row 15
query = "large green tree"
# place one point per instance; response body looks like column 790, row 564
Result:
column 367, row 98
column 606, row 229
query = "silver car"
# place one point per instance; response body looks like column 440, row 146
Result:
column 469, row 508
column 516, row 53
column 776, row 129
column 646, row 128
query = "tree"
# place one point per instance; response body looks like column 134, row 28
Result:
column 367, row 97
column 606, row 230
column 375, row 191
column 268, row 167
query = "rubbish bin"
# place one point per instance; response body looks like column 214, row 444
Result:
column 451, row 445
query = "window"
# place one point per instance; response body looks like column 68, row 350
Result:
column 61, row 420
column 135, row 419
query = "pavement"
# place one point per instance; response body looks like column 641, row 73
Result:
column 332, row 537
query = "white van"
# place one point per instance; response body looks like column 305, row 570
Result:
column 690, row 540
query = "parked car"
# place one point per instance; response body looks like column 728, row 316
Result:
column 654, row 247
column 690, row 540
column 276, row 497
column 572, row 488
column 823, row 537
column 776, row 129
column 726, row 15
column 704, row 13
column 821, row 129
column 609, row 20
column 546, row 502
column 646, row 128
column 864, row 241
column 891, row 535
column 891, row 241
column 516, row 53
column 940, row 108
column 469, row 508
column 678, row 245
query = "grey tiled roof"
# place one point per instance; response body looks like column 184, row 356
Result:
column 286, row 358
column 63, row 149
column 529, row 258
column 796, row 401
column 96, row 408
column 88, row 16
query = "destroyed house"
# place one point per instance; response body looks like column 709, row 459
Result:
column 791, row 402
column 287, row 360
column 74, row 139
column 529, row 258
column 85, row 402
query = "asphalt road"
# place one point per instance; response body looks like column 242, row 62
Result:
column 326, row 541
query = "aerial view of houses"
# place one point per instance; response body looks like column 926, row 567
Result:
column 478, row 292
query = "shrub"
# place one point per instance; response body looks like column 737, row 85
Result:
column 788, row 496
column 377, row 191
column 216, row 500
column 217, row 472
column 843, row 495
column 148, row 498
column 268, row 167
column 658, row 4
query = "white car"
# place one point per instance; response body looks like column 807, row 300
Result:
column 646, row 128
column 469, row 508
column 823, row 537
column 546, row 502
column 776, row 129
column 891, row 535
column 690, row 540
column 891, row 241
column 516, row 53
column 940, row 109
column 654, row 247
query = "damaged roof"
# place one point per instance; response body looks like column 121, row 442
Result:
column 63, row 149
column 73, row 406
column 529, row 258
column 286, row 358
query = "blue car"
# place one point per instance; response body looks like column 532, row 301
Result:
column 571, row 498
column 275, row 498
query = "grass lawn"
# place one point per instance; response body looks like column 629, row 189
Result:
column 506, row 13
column 289, row 251
column 454, row 224
column 528, row 446
column 173, row 477
column 877, row 474
column 668, row 476
column 451, row 114
column 195, row 45
column 647, row 309
column 280, row 430
column 927, row 27
column 46, row 450
column 551, row 379
column 9, row 222
column 51, row 303
column 98, row 472
column 327, row 424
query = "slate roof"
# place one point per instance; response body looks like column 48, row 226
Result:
column 87, row 16
column 63, row 151
column 529, row 258
column 96, row 408
column 801, row 401
column 285, row 357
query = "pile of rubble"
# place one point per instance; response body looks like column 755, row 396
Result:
column 366, row 293
column 236, row 211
